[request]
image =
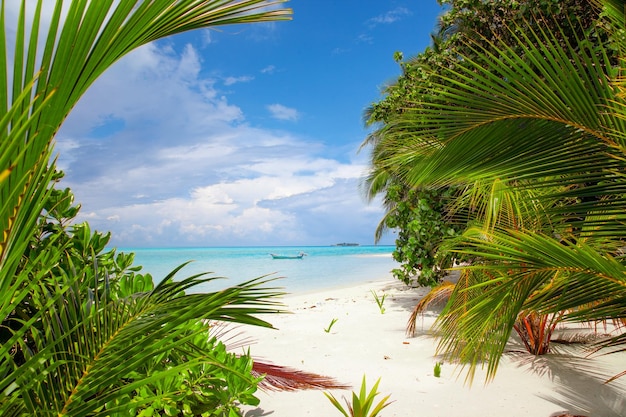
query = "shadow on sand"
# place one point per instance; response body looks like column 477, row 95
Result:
column 580, row 381
column 258, row 412
column 407, row 297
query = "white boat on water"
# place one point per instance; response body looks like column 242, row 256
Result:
column 298, row 256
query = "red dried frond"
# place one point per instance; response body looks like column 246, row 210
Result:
column 282, row 378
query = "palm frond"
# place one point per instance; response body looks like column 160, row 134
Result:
column 91, row 351
column 541, row 115
column 436, row 295
column 484, row 115
column 282, row 378
column 525, row 271
column 82, row 347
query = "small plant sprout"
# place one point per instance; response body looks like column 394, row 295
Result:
column 437, row 370
column 330, row 326
column 380, row 301
column 361, row 404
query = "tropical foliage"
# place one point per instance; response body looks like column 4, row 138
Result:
column 82, row 332
column 426, row 217
column 419, row 217
column 206, row 387
column 531, row 119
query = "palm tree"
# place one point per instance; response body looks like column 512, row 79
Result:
column 81, row 351
column 547, row 115
column 493, row 206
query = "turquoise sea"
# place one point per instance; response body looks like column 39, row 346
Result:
column 322, row 267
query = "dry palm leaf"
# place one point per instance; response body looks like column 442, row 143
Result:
column 282, row 378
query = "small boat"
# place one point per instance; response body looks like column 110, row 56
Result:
column 298, row 256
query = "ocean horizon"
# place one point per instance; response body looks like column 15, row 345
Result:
column 322, row 266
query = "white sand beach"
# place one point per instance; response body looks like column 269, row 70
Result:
column 365, row 342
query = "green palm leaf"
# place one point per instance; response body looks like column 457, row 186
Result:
column 526, row 271
column 75, row 354
column 90, row 350
column 485, row 116
column 543, row 116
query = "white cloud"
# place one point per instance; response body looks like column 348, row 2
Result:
column 157, row 155
column 389, row 17
column 339, row 51
column 152, row 84
column 207, row 37
column 363, row 38
column 280, row 112
column 260, row 32
column 265, row 210
column 268, row 70
column 284, row 198
column 235, row 80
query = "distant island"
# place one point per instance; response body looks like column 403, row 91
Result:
column 346, row 244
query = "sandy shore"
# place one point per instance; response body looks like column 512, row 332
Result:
column 365, row 342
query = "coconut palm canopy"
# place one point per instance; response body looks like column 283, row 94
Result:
column 540, row 125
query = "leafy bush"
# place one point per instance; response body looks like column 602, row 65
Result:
column 420, row 219
column 214, row 388
column 93, row 307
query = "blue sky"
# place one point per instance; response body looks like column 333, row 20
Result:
column 242, row 135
